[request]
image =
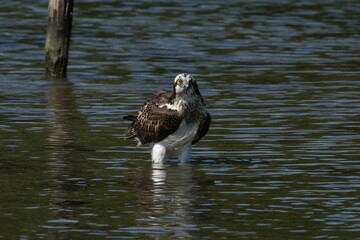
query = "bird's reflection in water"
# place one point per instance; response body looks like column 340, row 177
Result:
column 158, row 174
column 172, row 193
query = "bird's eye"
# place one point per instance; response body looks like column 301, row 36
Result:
column 178, row 81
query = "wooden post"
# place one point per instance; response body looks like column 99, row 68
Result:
column 58, row 36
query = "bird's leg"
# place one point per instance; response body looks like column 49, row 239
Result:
column 158, row 153
column 185, row 155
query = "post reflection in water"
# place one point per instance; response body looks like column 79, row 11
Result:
column 173, row 193
column 62, row 159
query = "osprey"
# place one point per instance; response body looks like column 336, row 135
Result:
column 171, row 121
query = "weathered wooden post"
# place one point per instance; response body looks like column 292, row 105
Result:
column 58, row 36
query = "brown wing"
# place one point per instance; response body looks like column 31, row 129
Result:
column 155, row 123
column 203, row 128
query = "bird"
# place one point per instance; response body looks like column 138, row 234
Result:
column 171, row 121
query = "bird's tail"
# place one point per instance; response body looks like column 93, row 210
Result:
column 131, row 118
column 130, row 131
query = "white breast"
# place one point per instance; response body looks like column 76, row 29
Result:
column 182, row 138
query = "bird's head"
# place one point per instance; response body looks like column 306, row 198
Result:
column 184, row 83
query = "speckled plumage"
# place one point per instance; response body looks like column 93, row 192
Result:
column 171, row 121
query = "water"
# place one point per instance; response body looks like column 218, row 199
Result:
column 281, row 160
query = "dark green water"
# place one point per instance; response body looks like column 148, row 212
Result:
column 281, row 160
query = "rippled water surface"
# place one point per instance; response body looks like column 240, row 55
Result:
column 281, row 160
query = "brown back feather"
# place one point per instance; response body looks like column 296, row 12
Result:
column 153, row 123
